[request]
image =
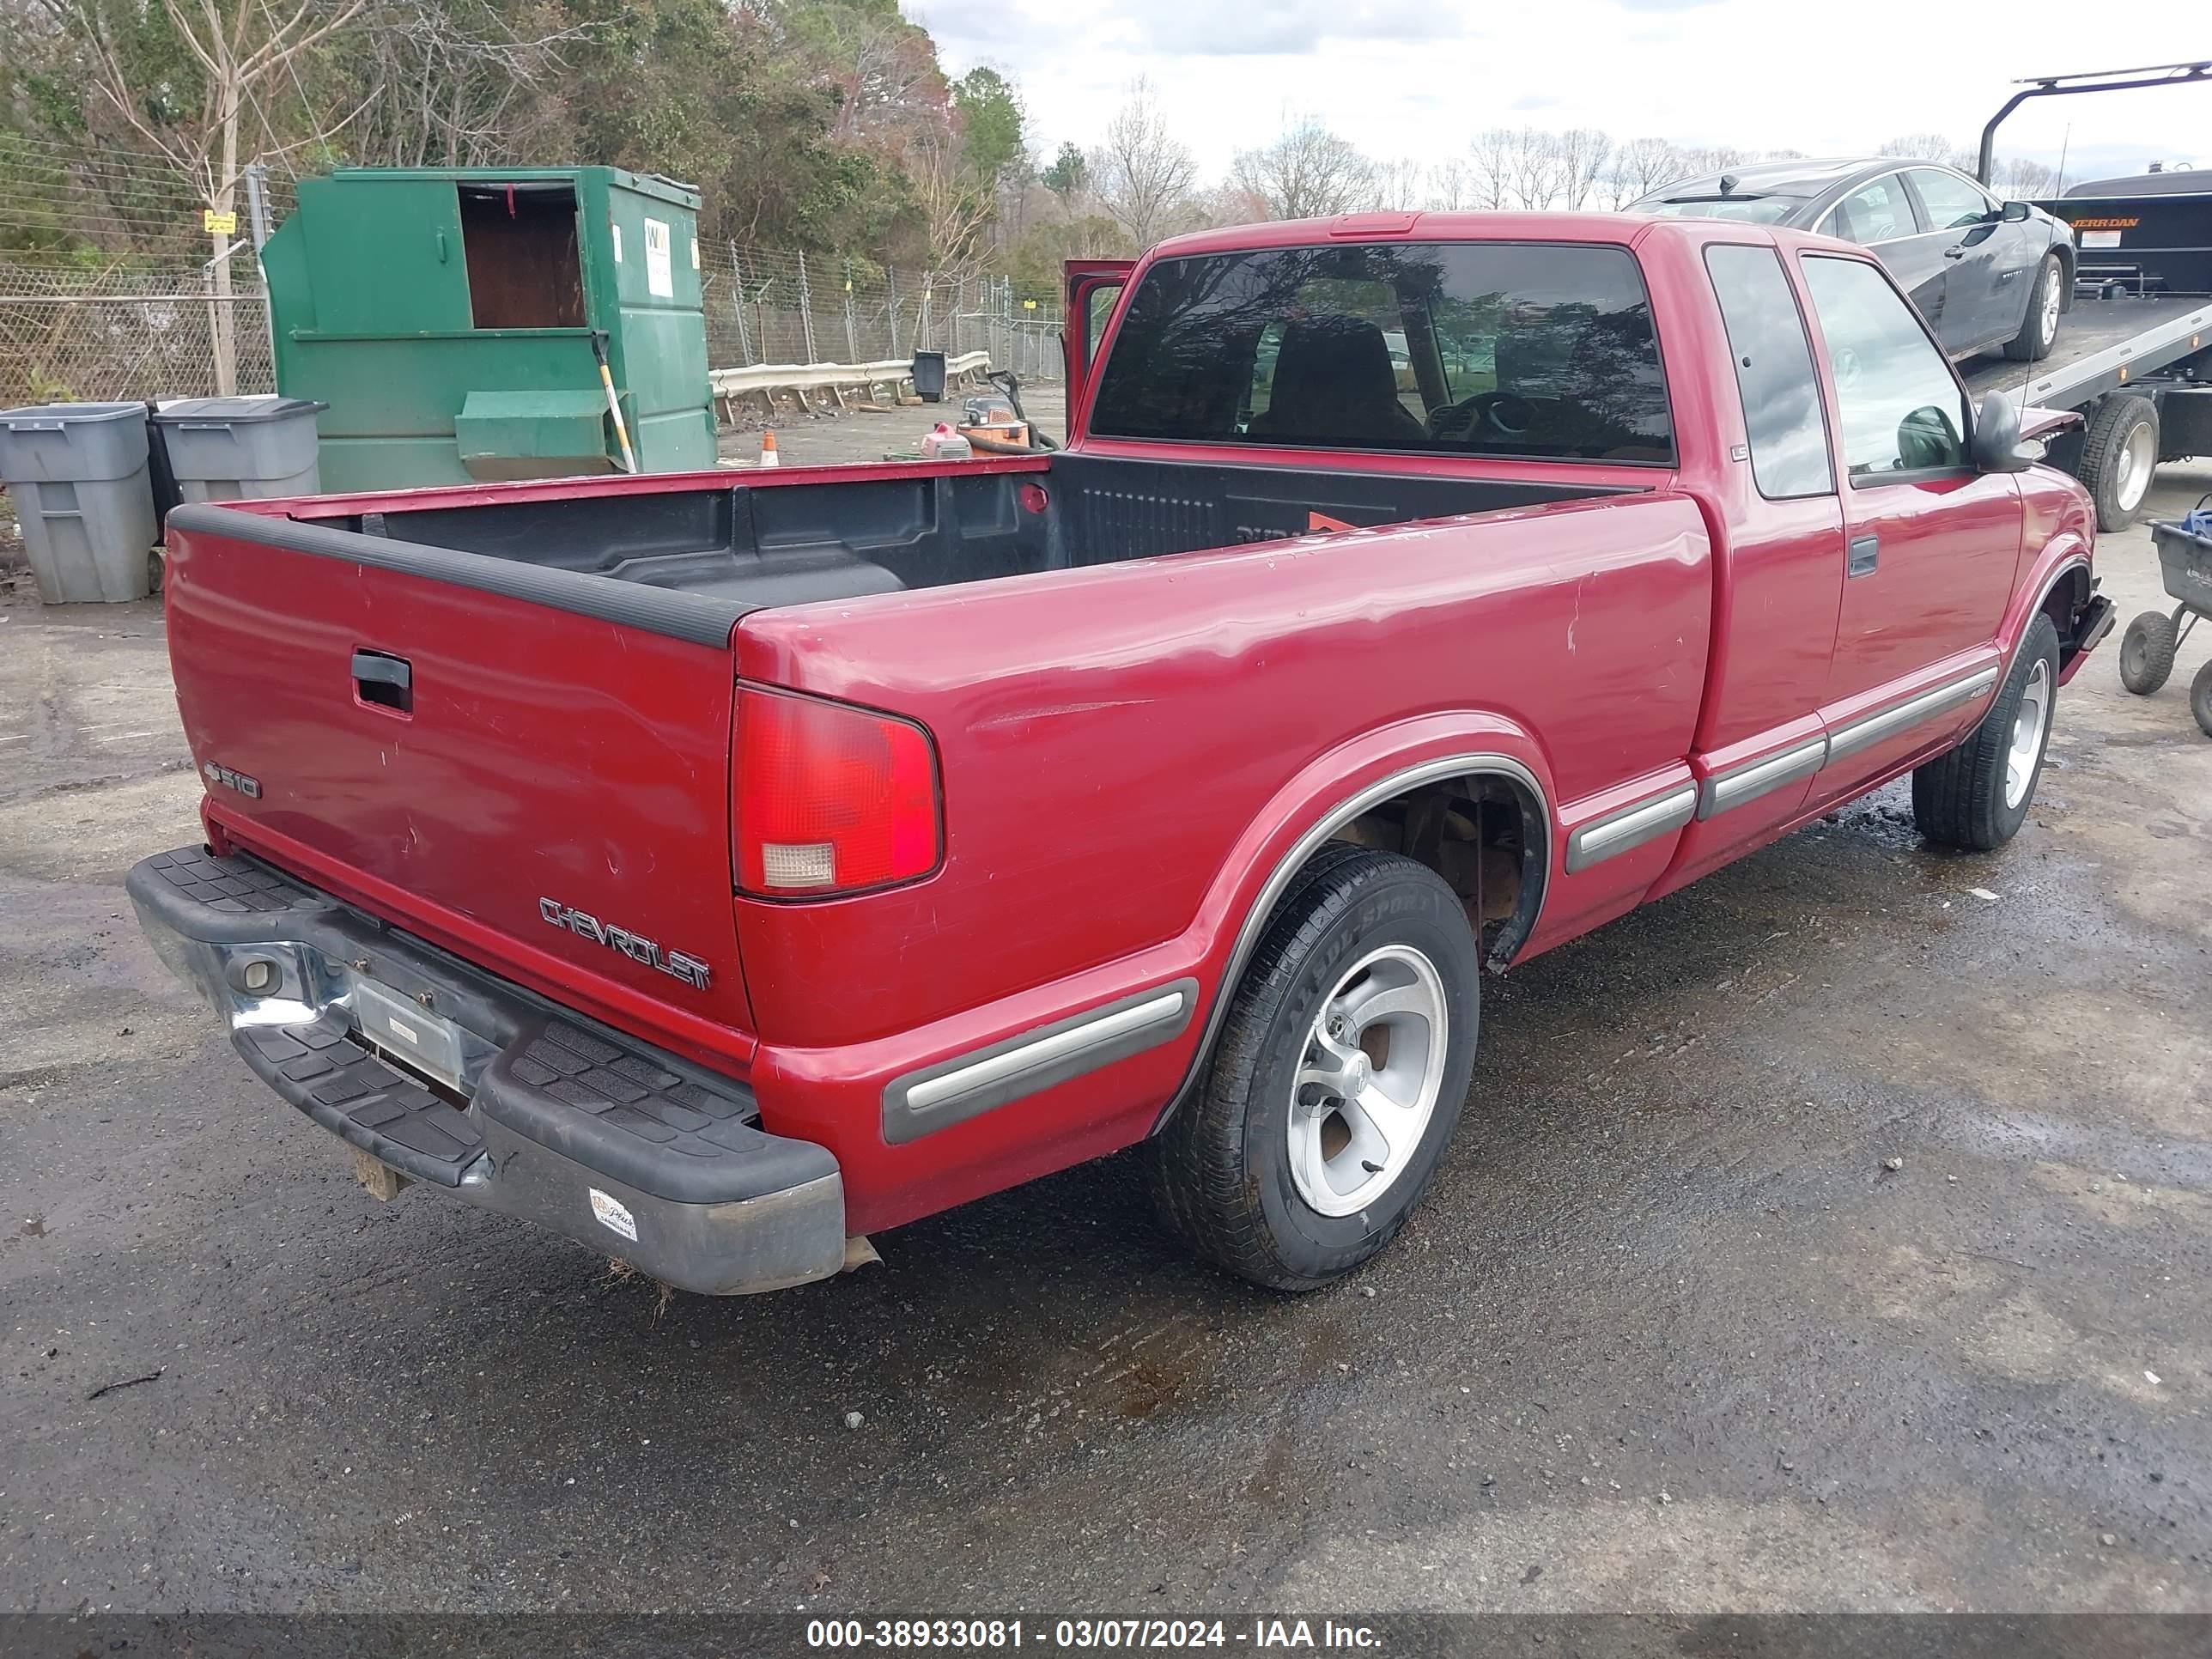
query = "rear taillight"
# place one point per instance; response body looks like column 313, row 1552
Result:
column 828, row 798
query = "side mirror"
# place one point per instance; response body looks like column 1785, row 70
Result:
column 1997, row 445
column 2014, row 212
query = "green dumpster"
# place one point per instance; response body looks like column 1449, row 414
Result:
column 445, row 315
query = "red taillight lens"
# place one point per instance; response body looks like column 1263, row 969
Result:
column 828, row 798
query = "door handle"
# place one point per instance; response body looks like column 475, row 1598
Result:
column 1958, row 252
column 383, row 680
column 1863, row 552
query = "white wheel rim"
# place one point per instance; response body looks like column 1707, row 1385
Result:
column 2029, row 722
column 2053, row 298
column 2137, row 461
column 1368, row 1079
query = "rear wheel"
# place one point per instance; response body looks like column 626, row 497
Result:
column 2039, row 330
column 2118, row 456
column 1337, row 1079
column 1976, row 797
column 2146, row 651
column 2200, row 699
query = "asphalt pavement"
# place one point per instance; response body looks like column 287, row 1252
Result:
column 1834, row 1234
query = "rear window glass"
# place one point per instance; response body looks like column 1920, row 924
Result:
column 1519, row 350
column 1743, row 210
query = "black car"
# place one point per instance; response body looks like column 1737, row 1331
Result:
column 1986, row 273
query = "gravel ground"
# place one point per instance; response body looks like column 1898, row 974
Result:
column 1832, row 1234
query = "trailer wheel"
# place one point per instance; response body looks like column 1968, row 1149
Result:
column 1977, row 796
column 1336, row 1080
column 2118, row 456
column 2039, row 330
column 2200, row 698
column 2146, row 651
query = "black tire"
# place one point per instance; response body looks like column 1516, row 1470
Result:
column 2200, row 698
column 2146, row 651
column 2103, row 449
column 1959, row 798
column 1219, row 1170
column 2032, row 345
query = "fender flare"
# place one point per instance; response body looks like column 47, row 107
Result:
column 2063, row 555
column 1329, row 793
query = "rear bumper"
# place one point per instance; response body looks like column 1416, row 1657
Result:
column 543, row 1115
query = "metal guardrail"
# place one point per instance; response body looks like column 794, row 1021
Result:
column 804, row 377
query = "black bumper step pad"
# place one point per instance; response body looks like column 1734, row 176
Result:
column 615, row 1110
column 367, row 1102
column 232, row 886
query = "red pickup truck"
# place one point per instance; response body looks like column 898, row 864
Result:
column 717, row 867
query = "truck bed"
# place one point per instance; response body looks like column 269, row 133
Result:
column 2097, row 340
column 719, row 546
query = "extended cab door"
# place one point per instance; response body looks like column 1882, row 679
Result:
column 1932, row 543
column 1093, row 286
column 1759, row 736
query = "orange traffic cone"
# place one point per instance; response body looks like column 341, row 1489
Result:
column 768, row 457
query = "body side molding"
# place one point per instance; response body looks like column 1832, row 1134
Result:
column 1630, row 827
column 1740, row 785
column 1870, row 729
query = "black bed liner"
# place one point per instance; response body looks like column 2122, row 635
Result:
column 691, row 564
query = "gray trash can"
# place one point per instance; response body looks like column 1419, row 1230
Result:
column 78, row 472
column 229, row 449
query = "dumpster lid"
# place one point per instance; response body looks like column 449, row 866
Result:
column 38, row 418
column 262, row 407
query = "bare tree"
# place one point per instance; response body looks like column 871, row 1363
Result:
column 1919, row 147
column 1142, row 174
column 1579, row 157
column 1517, row 168
column 456, row 84
column 1451, row 186
column 1308, row 172
column 957, row 212
column 1711, row 158
column 1533, row 168
column 235, row 53
column 1490, row 154
column 1399, row 185
column 1640, row 166
column 2017, row 176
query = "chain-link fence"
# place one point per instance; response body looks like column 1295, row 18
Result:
column 767, row 306
column 103, row 294
column 77, row 335
column 128, row 331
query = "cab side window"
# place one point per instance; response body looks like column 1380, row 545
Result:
column 1879, row 212
column 1774, row 376
column 1899, row 406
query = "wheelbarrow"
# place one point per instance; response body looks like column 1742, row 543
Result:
column 2185, row 556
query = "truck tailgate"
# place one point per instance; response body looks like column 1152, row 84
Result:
column 540, row 789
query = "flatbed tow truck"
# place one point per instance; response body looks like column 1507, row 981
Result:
column 2138, row 369
column 2134, row 356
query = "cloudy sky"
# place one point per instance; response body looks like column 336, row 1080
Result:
column 1416, row 78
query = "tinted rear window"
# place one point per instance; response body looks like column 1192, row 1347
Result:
column 1744, row 209
column 1525, row 351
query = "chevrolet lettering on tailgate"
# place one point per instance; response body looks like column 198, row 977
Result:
column 676, row 964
